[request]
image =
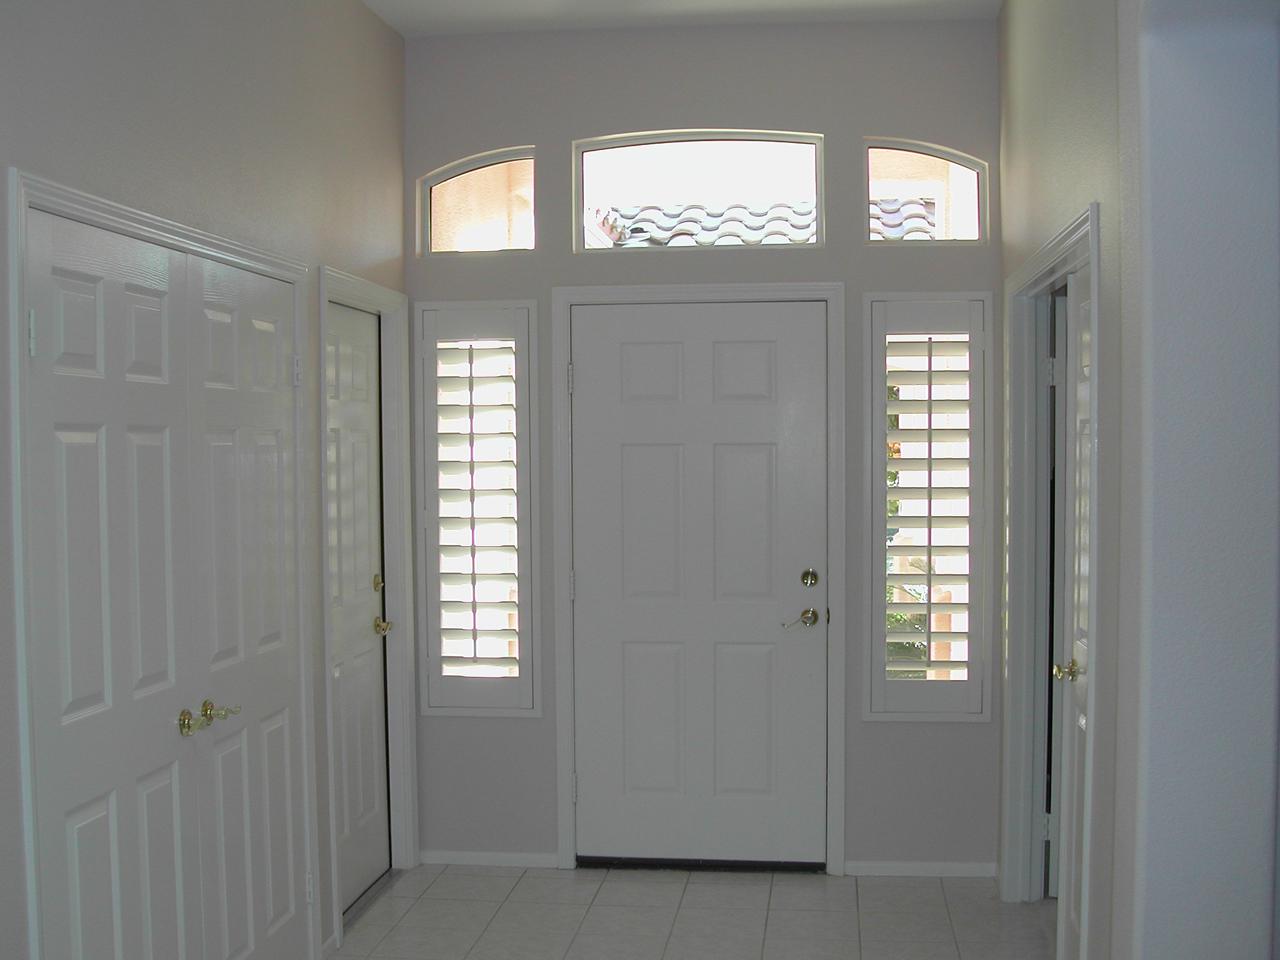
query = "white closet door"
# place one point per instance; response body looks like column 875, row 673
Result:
column 245, row 631
column 158, row 524
column 112, row 651
column 353, row 472
column 699, row 501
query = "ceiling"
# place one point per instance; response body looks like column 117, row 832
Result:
column 417, row 18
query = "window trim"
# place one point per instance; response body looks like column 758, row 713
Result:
column 980, row 167
column 641, row 138
column 528, row 686
column 963, row 701
column 456, row 168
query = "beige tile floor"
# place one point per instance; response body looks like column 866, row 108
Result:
column 498, row 913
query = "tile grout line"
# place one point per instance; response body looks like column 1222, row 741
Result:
column 951, row 923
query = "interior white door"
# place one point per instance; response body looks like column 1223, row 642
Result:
column 699, row 501
column 357, row 665
column 158, row 464
column 244, row 592
column 111, row 654
column 1080, row 620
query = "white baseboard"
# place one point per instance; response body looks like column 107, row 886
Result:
column 486, row 858
column 916, row 868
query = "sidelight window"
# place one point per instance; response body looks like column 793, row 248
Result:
column 928, row 639
column 473, row 367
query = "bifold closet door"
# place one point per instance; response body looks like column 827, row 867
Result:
column 157, row 497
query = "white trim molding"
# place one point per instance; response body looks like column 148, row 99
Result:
column 488, row 858
column 468, row 697
column 395, row 349
column 27, row 192
column 1026, row 658
column 563, row 299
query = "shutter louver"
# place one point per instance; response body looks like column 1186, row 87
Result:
column 927, row 506
column 477, row 501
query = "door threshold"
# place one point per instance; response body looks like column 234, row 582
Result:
column 724, row 866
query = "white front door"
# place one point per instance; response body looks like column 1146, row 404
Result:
column 158, row 528
column 357, row 665
column 699, row 501
column 1079, row 623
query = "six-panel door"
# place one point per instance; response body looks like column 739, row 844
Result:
column 699, row 495
column 157, row 476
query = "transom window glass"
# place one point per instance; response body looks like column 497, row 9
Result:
column 487, row 207
column 717, row 190
column 914, row 195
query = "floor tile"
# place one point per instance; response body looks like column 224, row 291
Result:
column 650, row 876
column 808, row 892
column 576, row 873
column 362, row 936
column 906, row 926
column 521, row 944
column 387, row 909
column 1000, row 923
column 971, row 889
column 476, row 870
column 603, row 946
column 623, row 921
column 538, row 918
column 908, row 894
column 727, row 924
column 638, row 893
column 712, row 948
column 455, row 886
column 907, row 950
column 736, row 895
column 813, row 924
column 553, row 890
column 730, row 876
column 411, row 883
column 776, row 948
column 1005, row 951
column 427, row 943
column 457, row 914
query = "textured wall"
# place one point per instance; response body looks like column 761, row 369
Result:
column 465, row 95
column 277, row 124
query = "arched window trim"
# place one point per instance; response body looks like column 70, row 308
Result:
column 455, row 168
column 639, row 138
column 978, row 166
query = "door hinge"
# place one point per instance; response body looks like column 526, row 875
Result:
column 1053, row 371
column 572, row 583
column 311, row 888
column 31, row 333
column 570, row 378
column 297, row 370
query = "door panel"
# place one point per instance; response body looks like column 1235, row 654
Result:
column 105, row 446
column 699, row 475
column 157, row 475
column 241, row 415
column 1081, row 478
column 358, row 655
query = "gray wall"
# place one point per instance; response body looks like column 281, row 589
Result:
column 277, row 124
column 916, row 791
column 1060, row 151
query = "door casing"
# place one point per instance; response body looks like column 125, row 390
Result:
column 392, row 310
column 27, row 192
column 563, row 300
column 1026, row 661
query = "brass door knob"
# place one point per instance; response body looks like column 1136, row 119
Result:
column 1069, row 672
column 381, row 627
column 807, row 617
column 378, row 583
column 210, row 712
column 809, row 578
column 189, row 723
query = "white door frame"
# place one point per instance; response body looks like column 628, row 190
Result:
column 27, row 192
column 1026, row 662
column 395, row 350
column 563, row 299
